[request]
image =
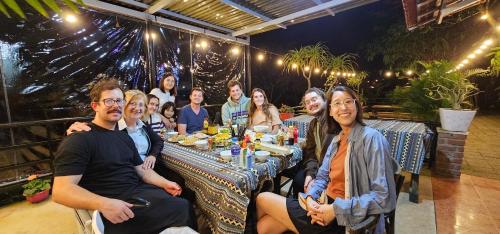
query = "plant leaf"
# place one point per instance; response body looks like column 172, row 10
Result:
column 71, row 5
column 38, row 7
column 52, row 5
column 12, row 4
column 3, row 9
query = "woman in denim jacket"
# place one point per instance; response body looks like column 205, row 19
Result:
column 356, row 176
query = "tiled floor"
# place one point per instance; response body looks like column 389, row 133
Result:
column 468, row 205
column 482, row 151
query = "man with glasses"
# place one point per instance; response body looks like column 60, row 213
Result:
column 101, row 170
column 317, row 138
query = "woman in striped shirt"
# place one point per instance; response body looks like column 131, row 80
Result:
column 152, row 118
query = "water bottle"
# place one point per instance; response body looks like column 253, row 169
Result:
column 235, row 152
column 250, row 160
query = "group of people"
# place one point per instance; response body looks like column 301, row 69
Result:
column 104, row 164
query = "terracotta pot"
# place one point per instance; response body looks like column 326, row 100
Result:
column 38, row 197
column 284, row 116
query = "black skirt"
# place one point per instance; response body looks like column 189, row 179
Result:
column 302, row 222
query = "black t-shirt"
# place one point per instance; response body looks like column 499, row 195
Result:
column 106, row 160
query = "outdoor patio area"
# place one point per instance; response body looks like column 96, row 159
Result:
column 250, row 116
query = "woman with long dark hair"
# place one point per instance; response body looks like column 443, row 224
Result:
column 356, row 179
column 262, row 112
column 167, row 89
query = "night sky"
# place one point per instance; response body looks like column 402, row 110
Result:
column 346, row 32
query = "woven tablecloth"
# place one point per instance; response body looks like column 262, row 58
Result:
column 223, row 192
column 407, row 139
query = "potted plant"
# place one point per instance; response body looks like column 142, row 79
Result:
column 454, row 89
column 36, row 190
column 286, row 112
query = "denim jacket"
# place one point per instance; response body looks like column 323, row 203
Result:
column 369, row 170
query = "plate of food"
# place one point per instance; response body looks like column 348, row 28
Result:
column 200, row 135
column 188, row 141
column 176, row 138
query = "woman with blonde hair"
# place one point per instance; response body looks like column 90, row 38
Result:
column 262, row 112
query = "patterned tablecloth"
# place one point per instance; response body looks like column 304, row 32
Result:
column 223, row 192
column 408, row 140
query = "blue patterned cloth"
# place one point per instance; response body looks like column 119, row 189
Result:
column 222, row 191
column 408, row 140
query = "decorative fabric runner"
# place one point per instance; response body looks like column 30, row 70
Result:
column 222, row 191
column 408, row 140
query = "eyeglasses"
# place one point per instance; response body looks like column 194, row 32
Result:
column 135, row 104
column 312, row 100
column 347, row 103
column 109, row 102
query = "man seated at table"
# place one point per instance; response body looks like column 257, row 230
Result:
column 317, row 139
column 235, row 110
column 101, row 170
column 191, row 116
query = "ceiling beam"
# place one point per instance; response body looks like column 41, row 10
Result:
column 158, row 5
column 456, row 7
column 177, row 15
column 160, row 20
column 250, row 11
column 327, row 10
column 308, row 11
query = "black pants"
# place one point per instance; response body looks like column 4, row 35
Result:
column 298, row 182
column 165, row 211
column 173, row 176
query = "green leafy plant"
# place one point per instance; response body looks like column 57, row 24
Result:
column 35, row 186
column 450, row 84
column 307, row 60
column 286, row 109
column 495, row 61
column 12, row 5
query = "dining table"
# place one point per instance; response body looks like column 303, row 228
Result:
column 409, row 141
column 224, row 191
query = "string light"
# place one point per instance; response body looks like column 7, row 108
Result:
column 465, row 61
column 478, row 51
column 484, row 16
column 388, row 73
column 294, row 66
column 488, row 42
column 70, row 18
column 471, row 56
column 235, row 51
column 153, row 36
column 203, row 44
column 317, row 70
column 307, row 68
column 332, row 72
column 409, row 72
column 147, row 36
column 260, row 57
column 279, row 62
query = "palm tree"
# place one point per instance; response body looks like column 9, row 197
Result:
column 342, row 66
column 307, row 60
column 5, row 5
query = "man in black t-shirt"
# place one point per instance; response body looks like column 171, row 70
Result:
column 101, row 170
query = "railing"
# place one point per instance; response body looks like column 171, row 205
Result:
column 30, row 145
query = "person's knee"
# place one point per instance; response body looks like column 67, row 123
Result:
column 262, row 198
column 262, row 227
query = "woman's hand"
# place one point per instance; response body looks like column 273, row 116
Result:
column 149, row 162
column 78, row 127
column 309, row 181
column 323, row 215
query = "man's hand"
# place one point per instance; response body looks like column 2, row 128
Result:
column 173, row 188
column 149, row 162
column 78, row 127
column 309, row 181
column 116, row 211
column 323, row 215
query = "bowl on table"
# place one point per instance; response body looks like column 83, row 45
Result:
column 261, row 128
column 225, row 155
column 201, row 144
column 262, row 156
column 171, row 134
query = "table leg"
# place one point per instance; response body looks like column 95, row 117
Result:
column 414, row 188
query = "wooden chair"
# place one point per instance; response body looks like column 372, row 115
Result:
column 368, row 225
